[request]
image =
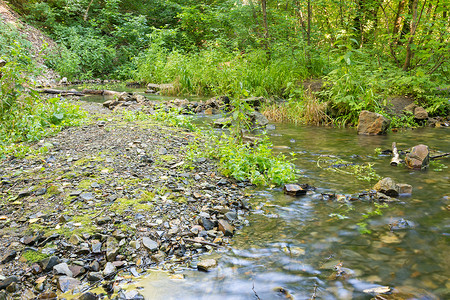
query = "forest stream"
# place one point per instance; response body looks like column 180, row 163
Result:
column 311, row 247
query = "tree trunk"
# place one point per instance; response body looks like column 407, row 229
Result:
column 266, row 26
column 414, row 23
column 398, row 17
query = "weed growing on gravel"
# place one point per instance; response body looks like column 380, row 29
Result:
column 244, row 162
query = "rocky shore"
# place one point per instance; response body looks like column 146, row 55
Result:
column 113, row 197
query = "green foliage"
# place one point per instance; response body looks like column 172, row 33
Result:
column 217, row 71
column 24, row 116
column 244, row 162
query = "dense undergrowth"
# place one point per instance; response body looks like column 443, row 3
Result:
column 364, row 51
column 24, row 115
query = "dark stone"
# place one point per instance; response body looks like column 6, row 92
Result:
column 103, row 221
column 9, row 256
column 371, row 123
column 207, row 223
column 8, row 281
column 294, row 190
column 95, row 276
column 48, row 263
column 88, row 296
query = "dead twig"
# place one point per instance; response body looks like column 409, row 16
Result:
column 253, row 289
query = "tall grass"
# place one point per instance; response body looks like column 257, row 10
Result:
column 215, row 71
column 302, row 109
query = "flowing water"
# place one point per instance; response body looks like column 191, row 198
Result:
column 310, row 247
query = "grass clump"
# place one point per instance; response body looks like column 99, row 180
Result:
column 34, row 256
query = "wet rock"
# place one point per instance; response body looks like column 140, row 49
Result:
column 62, row 268
column 386, row 186
column 401, row 224
column 371, row 123
column 226, row 228
column 206, row 265
column 48, row 263
column 294, row 190
column 66, row 283
column 418, row 157
column 7, row 281
column 48, row 296
column 254, row 101
column 8, row 256
column 231, row 216
column 149, row 244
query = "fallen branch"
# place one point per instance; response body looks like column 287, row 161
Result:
column 395, row 161
column 202, row 242
column 438, row 156
column 61, row 92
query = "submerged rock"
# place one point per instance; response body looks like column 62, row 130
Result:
column 294, row 190
column 371, row 123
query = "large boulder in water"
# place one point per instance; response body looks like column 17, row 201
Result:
column 371, row 123
column 418, row 157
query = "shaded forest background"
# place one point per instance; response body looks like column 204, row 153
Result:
column 364, row 51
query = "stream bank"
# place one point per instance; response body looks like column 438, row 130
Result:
column 111, row 195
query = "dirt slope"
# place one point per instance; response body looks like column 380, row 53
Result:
column 32, row 34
